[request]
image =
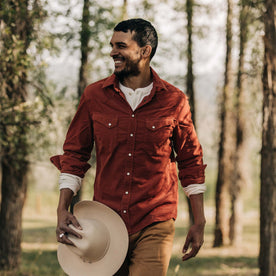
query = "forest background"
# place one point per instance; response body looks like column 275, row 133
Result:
column 51, row 49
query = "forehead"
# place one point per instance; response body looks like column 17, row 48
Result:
column 122, row 37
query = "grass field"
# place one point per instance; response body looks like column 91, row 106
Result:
column 39, row 245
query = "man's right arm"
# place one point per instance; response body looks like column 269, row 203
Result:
column 65, row 218
column 73, row 165
column 77, row 146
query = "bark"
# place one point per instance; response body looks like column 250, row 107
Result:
column 226, row 144
column 236, row 221
column 267, row 256
column 14, row 189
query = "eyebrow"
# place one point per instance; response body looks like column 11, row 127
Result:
column 119, row 44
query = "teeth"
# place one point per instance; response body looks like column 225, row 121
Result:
column 117, row 62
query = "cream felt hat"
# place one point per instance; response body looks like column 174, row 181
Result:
column 103, row 246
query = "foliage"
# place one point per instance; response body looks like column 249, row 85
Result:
column 23, row 95
column 102, row 19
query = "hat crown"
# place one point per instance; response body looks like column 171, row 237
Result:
column 94, row 243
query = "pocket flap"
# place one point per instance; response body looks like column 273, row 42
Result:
column 106, row 120
column 154, row 125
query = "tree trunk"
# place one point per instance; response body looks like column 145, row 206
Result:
column 124, row 10
column 226, row 145
column 83, row 72
column 236, row 221
column 84, row 39
column 14, row 189
column 190, row 73
column 267, row 256
column 19, row 26
column 190, row 77
column 16, row 35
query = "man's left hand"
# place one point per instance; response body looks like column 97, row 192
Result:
column 193, row 239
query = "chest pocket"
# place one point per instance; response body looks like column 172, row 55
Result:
column 158, row 131
column 105, row 130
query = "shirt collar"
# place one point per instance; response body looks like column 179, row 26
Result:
column 113, row 80
column 143, row 90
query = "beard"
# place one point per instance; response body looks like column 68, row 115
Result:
column 131, row 69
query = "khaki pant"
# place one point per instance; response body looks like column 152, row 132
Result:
column 149, row 251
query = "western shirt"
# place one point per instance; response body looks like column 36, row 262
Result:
column 136, row 151
column 134, row 98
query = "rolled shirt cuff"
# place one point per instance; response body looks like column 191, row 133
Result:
column 70, row 181
column 194, row 189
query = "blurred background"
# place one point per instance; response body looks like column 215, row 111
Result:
column 212, row 50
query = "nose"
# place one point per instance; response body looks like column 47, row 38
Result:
column 113, row 52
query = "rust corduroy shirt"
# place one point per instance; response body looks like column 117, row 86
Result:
column 136, row 151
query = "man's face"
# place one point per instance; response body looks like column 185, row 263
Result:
column 126, row 55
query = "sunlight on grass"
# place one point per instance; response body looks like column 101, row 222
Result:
column 224, row 261
column 212, row 266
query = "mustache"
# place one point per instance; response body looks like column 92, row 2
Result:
column 118, row 56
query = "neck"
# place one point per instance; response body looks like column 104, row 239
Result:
column 142, row 80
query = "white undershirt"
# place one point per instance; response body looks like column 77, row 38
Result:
column 134, row 98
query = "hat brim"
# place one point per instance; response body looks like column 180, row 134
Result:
column 116, row 253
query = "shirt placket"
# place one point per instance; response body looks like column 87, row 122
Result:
column 129, row 170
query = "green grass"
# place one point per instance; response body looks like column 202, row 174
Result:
column 39, row 245
column 238, row 261
column 40, row 262
column 212, row 266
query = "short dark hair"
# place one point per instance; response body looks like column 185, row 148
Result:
column 144, row 32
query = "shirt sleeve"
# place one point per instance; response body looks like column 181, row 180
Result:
column 78, row 143
column 194, row 189
column 189, row 155
column 70, row 181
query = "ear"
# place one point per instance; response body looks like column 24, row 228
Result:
column 146, row 51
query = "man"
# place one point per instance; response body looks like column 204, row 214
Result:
column 141, row 126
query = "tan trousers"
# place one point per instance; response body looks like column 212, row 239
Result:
column 149, row 251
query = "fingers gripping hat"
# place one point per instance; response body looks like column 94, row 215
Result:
column 103, row 246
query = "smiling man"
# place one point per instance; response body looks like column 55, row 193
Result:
column 142, row 129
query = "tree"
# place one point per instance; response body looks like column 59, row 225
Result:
column 19, row 23
column 84, row 45
column 235, row 234
column 267, row 256
column 124, row 10
column 227, row 143
column 190, row 75
column 85, row 35
column 99, row 16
